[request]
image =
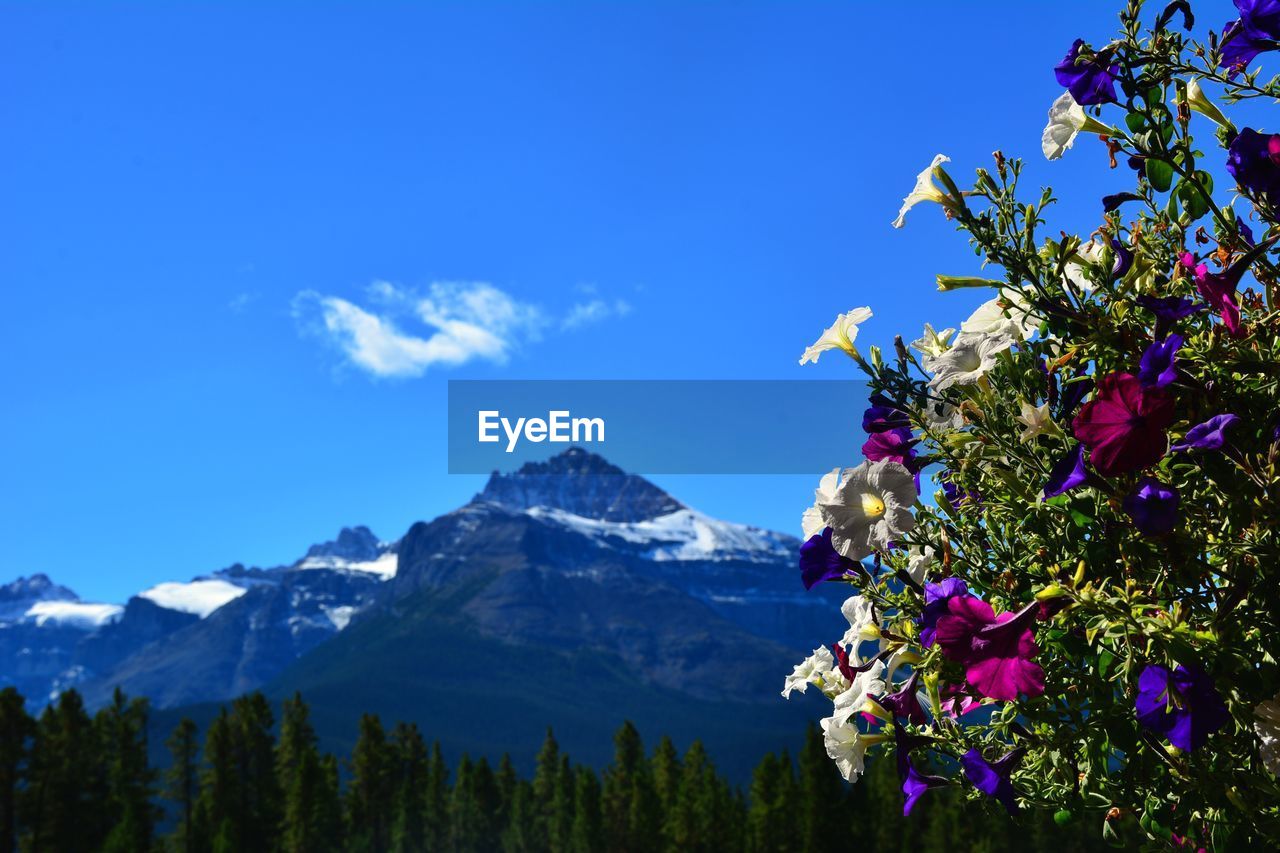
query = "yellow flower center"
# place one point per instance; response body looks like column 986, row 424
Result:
column 872, row 505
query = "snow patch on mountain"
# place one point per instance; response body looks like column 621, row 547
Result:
column 384, row 565
column 683, row 535
column 73, row 614
column 200, row 597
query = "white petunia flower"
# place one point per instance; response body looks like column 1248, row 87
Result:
column 973, row 357
column 871, row 507
column 814, row 669
column 1036, row 421
column 845, row 747
column 1198, row 101
column 811, row 522
column 862, row 617
column 839, row 335
column 1267, row 727
column 941, row 416
column 925, row 190
column 1090, row 253
column 1066, row 120
column 854, row 700
column 919, row 559
column 1007, row 314
column 933, row 343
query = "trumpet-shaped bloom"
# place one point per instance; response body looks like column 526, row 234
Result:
column 839, row 335
column 937, row 596
column 815, row 669
column 811, row 522
column 845, row 746
column 1036, row 421
column 992, row 778
column 861, row 615
column 819, row 561
column 1168, row 310
column 870, row 508
column 918, row 562
column 1067, row 473
column 1218, row 289
column 924, row 190
column 1256, row 30
column 1267, row 727
column 1182, row 705
column 914, row 786
column 1253, row 159
column 879, row 418
column 863, row 687
column 1124, row 424
column 972, row 357
column 1090, row 80
column 1066, row 120
column 905, row 702
column 1157, row 367
column 1153, row 506
column 1007, row 315
column 932, row 343
column 996, row 651
column 895, row 445
column 1210, row 435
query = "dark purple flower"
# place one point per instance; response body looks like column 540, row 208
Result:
column 1253, row 159
column 1256, row 30
column 936, row 598
column 1182, row 705
column 884, row 418
column 954, row 494
column 1168, row 310
column 1068, row 472
column 1113, row 202
column 894, row 445
column 992, row 778
column 1157, row 368
column 1072, row 393
column 842, row 662
column 1123, row 261
column 1091, row 81
column 1210, row 435
column 1123, row 425
column 905, row 702
column 1246, row 233
column 914, row 783
column 819, row 561
column 996, row 651
column 1153, row 506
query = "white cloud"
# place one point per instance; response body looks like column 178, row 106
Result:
column 467, row 321
column 586, row 313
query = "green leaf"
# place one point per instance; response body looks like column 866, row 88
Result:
column 1135, row 122
column 1160, row 174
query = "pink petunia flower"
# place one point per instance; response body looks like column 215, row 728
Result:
column 996, row 651
column 1123, row 425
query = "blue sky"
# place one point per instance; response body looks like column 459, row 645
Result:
column 607, row 190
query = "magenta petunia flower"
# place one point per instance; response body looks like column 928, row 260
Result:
column 996, row 651
column 1218, row 289
column 1123, row 425
column 895, row 445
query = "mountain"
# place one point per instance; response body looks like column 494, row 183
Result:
column 568, row 593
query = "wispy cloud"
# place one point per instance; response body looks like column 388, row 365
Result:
column 460, row 322
column 241, row 301
column 594, row 311
column 403, row 332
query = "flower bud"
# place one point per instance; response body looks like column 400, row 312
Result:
column 1199, row 102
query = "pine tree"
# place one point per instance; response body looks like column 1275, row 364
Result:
column 436, row 816
column 587, row 834
column 16, row 731
column 409, row 779
column 772, row 814
column 698, row 812
column 182, row 783
column 62, row 804
column 560, row 825
column 666, row 775
column 128, row 810
column 630, row 804
column 465, row 818
column 507, row 780
column 485, row 793
column 369, row 795
column 546, row 769
column 239, row 807
column 821, row 792
column 307, row 814
column 518, row 834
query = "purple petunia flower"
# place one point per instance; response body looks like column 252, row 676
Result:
column 1182, row 705
column 955, row 495
column 1253, row 159
column 1123, row 425
column 905, row 702
column 914, row 783
column 819, row 560
column 1256, row 30
column 992, row 778
column 1168, row 310
column 936, row 598
column 884, row 418
column 1067, row 473
column 895, row 445
column 1123, row 261
column 1210, row 435
column 1157, row 368
column 996, row 651
column 1092, row 81
column 1153, row 506
column 1072, row 393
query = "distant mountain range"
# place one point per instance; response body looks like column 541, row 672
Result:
column 568, row 593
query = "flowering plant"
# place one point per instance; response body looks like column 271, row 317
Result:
column 1070, row 504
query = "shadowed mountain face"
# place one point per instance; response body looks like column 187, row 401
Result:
column 568, row 593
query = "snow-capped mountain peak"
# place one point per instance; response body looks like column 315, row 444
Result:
column 198, row 597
